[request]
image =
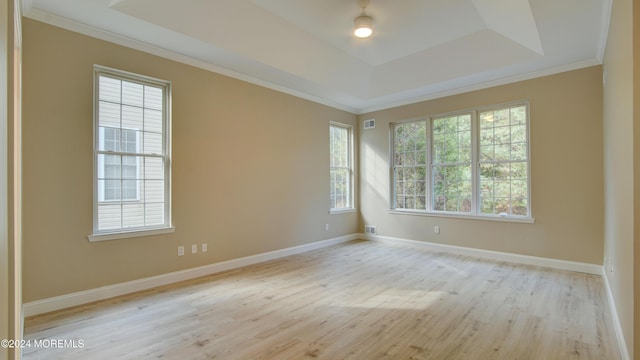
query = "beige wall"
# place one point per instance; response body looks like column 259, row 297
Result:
column 250, row 168
column 566, row 166
column 618, row 164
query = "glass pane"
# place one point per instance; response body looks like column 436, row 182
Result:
column 501, row 117
column 519, row 207
column 154, row 214
column 519, row 134
column 108, row 139
column 152, row 143
column 486, row 119
column 502, row 188
column 519, row 151
column 152, row 120
column 130, row 190
column 519, row 189
column 465, row 204
column 487, row 205
column 464, row 139
column 502, row 171
column 108, row 114
column 153, row 190
column 487, row 153
column 438, row 203
column 409, row 158
column 108, row 166
column 132, row 93
column 153, row 168
column 131, row 167
column 421, row 158
column 519, row 170
column 109, row 217
column 132, row 117
column 410, row 202
column 502, row 135
column 153, row 97
column 108, row 190
column 133, row 215
column 109, row 89
column 486, row 137
column 501, row 206
column 502, row 152
column 518, row 115
column 464, row 122
column 398, row 204
column 419, row 203
column 130, row 141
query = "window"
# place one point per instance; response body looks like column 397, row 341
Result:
column 504, row 162
column 472, row 163
column 451, row 163
column 341, row 167
column 410, row 165
column 132, row 157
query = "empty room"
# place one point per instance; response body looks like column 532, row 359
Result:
column 339, row 179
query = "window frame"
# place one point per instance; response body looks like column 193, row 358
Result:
column 128, row 232
column 350, row 168
column 475, row 167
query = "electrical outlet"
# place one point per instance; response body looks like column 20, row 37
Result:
column 194, row 248
column 436, row 229
column 204, row 247
column 180, row 250
column 326, row 227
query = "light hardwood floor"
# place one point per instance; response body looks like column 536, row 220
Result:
column 360, row 300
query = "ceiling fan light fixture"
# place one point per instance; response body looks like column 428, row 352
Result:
column 363, row 26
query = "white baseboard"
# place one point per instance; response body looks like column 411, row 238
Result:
column 622, row 344
column 496, row 255
column 84, row 297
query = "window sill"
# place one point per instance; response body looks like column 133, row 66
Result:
column 341, row 211
column 515, row 219
column 130, row 234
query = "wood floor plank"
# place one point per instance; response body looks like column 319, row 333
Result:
column 359, row 300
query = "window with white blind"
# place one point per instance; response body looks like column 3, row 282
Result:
column 473, row 163
column 341, row 167
column 132, row 155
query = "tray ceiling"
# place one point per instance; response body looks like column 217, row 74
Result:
column 419, row 50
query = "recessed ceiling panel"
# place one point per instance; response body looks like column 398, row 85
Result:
column 401, row 28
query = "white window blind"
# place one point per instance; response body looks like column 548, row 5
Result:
column 132, row 152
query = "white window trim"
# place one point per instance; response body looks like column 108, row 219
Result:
column 352, row 170
column 474, row 215
column 102, row 236
column 515, row 219
column 142, row 231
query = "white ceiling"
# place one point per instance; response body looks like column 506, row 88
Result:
column 421, row 49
